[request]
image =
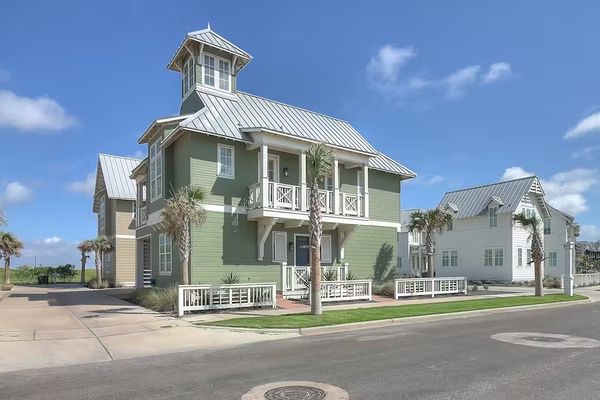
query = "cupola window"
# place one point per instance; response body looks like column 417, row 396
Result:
column 217, row 73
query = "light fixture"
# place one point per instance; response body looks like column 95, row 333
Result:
column 290, row 246
column 286, row 172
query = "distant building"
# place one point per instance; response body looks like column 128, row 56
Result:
column 590, row 249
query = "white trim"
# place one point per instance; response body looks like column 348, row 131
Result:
column 167, row 271
column 328, row 260
column 219, row 173
column 217, row 72
column 125, row 237
column 274, row 245
column 158, row 156
column 275, row 159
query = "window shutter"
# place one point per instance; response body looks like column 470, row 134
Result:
column 326, row 248
column 279, row 246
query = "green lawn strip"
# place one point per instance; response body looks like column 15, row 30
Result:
column 387, row 312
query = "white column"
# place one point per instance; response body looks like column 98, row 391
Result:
column 365, row 169
column 568, row 279
column 264, row 172
column 302, row 169
column 336, row 187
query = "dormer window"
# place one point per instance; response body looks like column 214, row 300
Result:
column 216, row 72
column 187, row 76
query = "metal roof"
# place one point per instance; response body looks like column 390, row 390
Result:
column 384, row 163
column 405, row 217
column 472, row 202
column 113, row 174
column 211, row 38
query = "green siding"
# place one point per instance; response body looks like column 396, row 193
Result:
column 191, row 104
column 348, row 180
column 371, row 251
column 384, row 196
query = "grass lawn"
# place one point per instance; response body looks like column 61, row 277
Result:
column 89, row 274
column 377, row 313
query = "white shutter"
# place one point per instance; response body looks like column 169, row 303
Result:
column 279, row 246
column 326, row 248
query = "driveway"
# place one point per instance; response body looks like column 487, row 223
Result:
column 64, row 325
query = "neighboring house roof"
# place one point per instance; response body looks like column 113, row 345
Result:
column 564, row 214
column 473, row 201
column 113, row 177
column 589, row 246
column 234, row 117
column 405, row 217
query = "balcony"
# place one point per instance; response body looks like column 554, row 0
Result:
column 289, row 197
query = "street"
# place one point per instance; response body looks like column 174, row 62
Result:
column 452, row 359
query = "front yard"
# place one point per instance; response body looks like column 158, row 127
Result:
column 388, row 312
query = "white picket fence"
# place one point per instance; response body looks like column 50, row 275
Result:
column 213, row 297
column 294, row 278
column 580, row 280
column 429, row 286
column 345, row 290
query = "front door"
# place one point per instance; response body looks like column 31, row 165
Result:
column 302, row 252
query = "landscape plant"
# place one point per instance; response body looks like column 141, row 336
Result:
column 101, row 246
column 230, row 278
column 431, row 222
column 162, row 299
column 10, row 246
column 85, row 247
column 319, row 160
column 534, row 226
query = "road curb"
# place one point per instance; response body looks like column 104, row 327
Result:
column 322, row 330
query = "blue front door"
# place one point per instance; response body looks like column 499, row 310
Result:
column 302, row 251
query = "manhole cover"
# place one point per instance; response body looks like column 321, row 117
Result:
column 296, row 390
column 295, row 393
column 546, row 340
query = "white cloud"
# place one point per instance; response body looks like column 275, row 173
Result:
column 515, row 173
column 140, row 155
column 587, row 126
column 29, row 114
column 590, row 232
column 585, row 153
column 4, row 76
column 384, row 74
column 496, row 72
column 15, row 193
column 564, row 190
column 425, row 180
column 52, row 240
column 85, row 186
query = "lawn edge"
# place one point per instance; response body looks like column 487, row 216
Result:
column 318, row 330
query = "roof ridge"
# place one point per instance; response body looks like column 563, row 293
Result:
column 116, row 156
column 207, row 30
column 492, row 184
column 298, row 108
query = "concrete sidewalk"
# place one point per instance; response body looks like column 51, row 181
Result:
column 58, row 326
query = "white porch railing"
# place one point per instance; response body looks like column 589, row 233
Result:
column 580, row 280
column 294, row 278
column 346, row 290
column 429, row 286
column 212, row 297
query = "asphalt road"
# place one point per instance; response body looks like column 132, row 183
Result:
column 454, row 359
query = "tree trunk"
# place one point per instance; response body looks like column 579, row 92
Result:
column 7, row 270
column 315, row 229
column 429, row 254
column 430, row 265
column 83, row 261
column 185, row 247
column 185, row 276
column 98, row 258
column 539, row 287
column 316, row 308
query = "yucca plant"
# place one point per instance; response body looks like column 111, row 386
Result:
column 330, row 275
column 230, row 278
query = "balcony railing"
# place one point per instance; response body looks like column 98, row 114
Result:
column 142, row 216
column 287, row 197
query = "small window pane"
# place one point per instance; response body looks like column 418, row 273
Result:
column 224, row 76
column 209, row 70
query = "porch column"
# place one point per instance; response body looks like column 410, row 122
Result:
column 365, row 170
column 302, row 169
column 568, row 277
column 264, row 175
column 336, row 187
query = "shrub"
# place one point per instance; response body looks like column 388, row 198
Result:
column 552, row 282
column 350, row 276
column 387, row 289
column 230, row 279
column 93, row 284
column 65, row 273
column 329, row 275
column 162, row 299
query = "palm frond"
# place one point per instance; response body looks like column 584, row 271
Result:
column 319, row 162
column 182, row 209
column 9, row 245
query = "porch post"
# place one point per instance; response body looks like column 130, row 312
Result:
column 568, row 277
column 336, row 187
column 302, row 169
column 264, row 175
column 365, row 169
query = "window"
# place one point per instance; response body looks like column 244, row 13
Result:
column 187, row 76
column 280, row 246
column 273, row 168
column 102, row 214
column 552, row 259
column 498, row 257
column 225, row 161
column 107, row 262
column 217, row 72
column 326, row 255
column 488, row 257
column 329, row 183
column 454, row 258
column 450, row 226
column 529, row 212
column 547, row 227
column 520, row 257
column 165, row 254
column 155, row 170
column 445, row 258
column 528, row 256
column 493, row 211
column 359, row 181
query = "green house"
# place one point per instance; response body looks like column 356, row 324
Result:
column 249, row 153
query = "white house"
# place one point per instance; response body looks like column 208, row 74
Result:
column 483, row 243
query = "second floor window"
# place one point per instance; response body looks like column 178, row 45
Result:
column 450, row 226
column 493, row 211
column 225, row 161
column 165, row 254
column 547, row 227
column 102, row 213
column 187, row 76
column 155, row 171
column 216, row 73
column 520, row 257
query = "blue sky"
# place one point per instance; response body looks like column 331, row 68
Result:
column 465, row 93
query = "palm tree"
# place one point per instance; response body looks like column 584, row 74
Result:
column 101, row 246
column 319, row 160
column 181, row 211
column 430, row 222
column 85, row 247
column 9, row 246
column 534, row 226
